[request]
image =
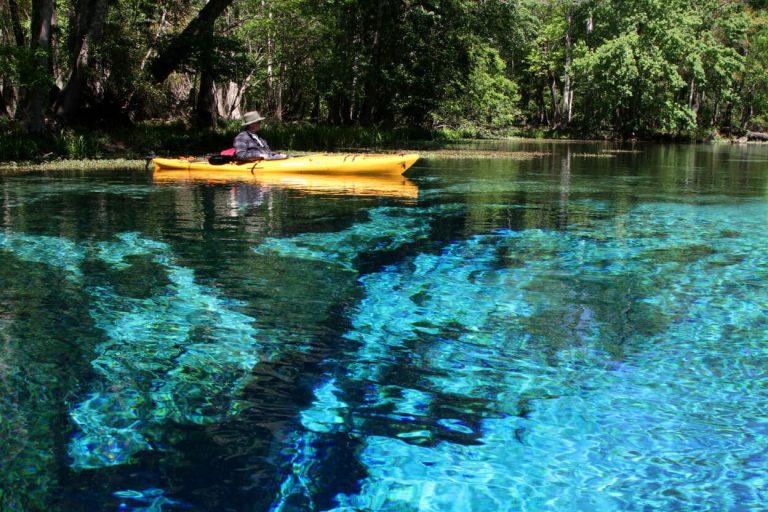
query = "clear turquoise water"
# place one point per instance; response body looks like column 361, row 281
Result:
column 582, row 331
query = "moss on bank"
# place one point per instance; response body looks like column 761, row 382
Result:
column 75, row 165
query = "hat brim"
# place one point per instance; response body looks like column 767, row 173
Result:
column 254, row 121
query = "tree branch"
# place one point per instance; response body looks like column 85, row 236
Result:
column 184, row 43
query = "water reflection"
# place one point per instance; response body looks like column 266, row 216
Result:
column 384, row 185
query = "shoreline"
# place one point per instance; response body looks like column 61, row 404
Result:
column 140, row 164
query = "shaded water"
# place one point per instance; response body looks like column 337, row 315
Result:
column 582, row 330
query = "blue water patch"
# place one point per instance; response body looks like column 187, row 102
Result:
column 57, row 252
column 386, row 229
column 179, row 354
column 28, row 190
column 618, row 372
column 522, row 337
column 147, row 500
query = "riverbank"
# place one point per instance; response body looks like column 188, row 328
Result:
column 177, row 139
column 132, row 148
column 140, row 164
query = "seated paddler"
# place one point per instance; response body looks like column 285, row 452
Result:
column 249, row 145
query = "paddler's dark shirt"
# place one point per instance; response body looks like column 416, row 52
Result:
column 249, row 145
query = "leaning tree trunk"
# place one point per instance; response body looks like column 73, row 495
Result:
column 92, row 18
column 185, row 43
column 761, row 136
column 36, row 100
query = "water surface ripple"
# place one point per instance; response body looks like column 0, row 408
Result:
column 582, row 331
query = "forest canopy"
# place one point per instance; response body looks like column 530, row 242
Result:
column 595, row 67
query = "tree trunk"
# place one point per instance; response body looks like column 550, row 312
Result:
column 8, row 92
column 541, row 104
column 36, row 99
column 205, row 103
column 353, row 95
column 567, row 109
column 727, row 120
column 18, row 31
column 274, row 80
column 183, row 44
column 90, row 28
column 691, row 93
column 747, row 110
column 554, row 120
column 205, row 110
column 746, row 116
column 694, row 99
column 370, row 111
column 6, row 101
column 228, row 99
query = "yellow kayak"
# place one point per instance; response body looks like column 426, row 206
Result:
column 350, row 164
column 387, row 185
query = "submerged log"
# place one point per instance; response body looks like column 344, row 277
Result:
column 757, row 136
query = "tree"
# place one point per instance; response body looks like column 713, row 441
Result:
column 642, row 67
column 550, row 61
column 10, row 50
column 37, row 74
column 754, row 78
column 88, row 18
column 182, row 46
column 196, row 40
column 486, row 97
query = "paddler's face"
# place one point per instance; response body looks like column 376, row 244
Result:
column 254, row 127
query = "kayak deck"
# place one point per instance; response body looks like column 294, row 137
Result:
column 314, row 164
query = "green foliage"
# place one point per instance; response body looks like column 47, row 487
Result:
column 77, row 145
column 339, row 138
column 626, row 67
column 754, row 79
column 485, row 98
column 9, row 63
column 662, row 67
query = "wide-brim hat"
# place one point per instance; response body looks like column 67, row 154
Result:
column 252, row 117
